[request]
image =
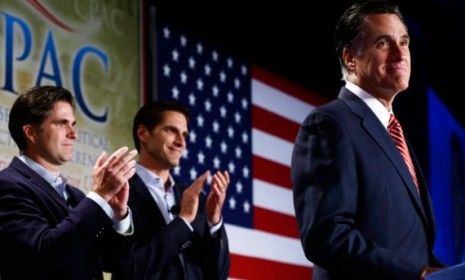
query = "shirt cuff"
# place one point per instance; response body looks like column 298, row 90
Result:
column 102, row 203
column 187, row 223
column 125, row 226
column 215, row 228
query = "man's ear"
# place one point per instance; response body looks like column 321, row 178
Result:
column 142, row 132
column 349, row 59
column 30, row 133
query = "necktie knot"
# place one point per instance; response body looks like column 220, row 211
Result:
column 394, row 125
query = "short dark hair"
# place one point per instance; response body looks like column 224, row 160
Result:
column 348, row 27
column 32, row 107
column 151, row 114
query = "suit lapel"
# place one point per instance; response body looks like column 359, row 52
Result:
column 425, row 197
column 75, row 195
column 178, row 189
column 375, row 129
column 144, row 200
column 42, row 185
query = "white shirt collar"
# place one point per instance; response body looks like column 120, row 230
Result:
column 381, row 112
column 165, row 200
column 54, row 179
column 151, row 180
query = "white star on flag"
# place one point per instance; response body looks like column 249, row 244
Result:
column 200, row 158
column 166, row 33
column 175, row 55
column 200, row 121
column 192, row 136
column 183, row 41
column 232, row 203
column 191, row 62
column 183, row 77
column 166, row 70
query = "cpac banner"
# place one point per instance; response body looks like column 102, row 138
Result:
column 90, row 47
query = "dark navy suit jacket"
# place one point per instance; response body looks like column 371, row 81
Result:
column 155, row 244
column 40, row 236
column 357, row 207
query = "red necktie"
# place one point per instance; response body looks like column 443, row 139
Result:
column 397, row 135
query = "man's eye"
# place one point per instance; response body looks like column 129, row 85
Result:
column 170, row 130
column 404, row 43
column 382, row 44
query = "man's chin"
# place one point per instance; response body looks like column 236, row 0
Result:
column 174, row 164
column 66, row 158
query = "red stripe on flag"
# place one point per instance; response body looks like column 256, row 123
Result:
column 274, row 124
column 252, row 268
column 275, row 222
column 271, row 172
column 286, row 86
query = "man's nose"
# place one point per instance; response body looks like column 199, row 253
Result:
column 71, row 132
column 399, row 51
column 180, row 140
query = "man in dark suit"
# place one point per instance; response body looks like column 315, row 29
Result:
column 361, row 201
column 178, row 231
column 48, row 228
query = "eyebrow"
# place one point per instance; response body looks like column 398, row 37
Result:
column 64, row 121
column 177, row 129
column 386, row 36
column 389, row 37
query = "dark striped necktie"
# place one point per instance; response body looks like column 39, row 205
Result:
column 397, row 135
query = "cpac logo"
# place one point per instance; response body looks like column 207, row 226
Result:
column 17, row 54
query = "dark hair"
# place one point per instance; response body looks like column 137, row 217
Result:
column 348, row 27
column 32, row 107
column 151, row 114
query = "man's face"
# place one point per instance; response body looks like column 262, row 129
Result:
column 52, row 142
column 382, row 55
column 166, row 142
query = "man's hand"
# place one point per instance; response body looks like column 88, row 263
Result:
column 190, row 198
column 119, row 202
column 217, row 196
column 110, row 174
column 427, row 270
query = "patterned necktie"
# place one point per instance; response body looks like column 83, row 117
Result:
column 397, row 135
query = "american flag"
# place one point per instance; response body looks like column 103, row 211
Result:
column 244, row 120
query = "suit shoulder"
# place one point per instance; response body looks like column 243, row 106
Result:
column 333, row 120
column 332, row 113
column 10, row 174
column 335, row 109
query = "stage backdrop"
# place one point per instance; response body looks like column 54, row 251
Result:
column 89, row 47
column 447, row 180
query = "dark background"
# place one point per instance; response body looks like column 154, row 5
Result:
column 295, row 40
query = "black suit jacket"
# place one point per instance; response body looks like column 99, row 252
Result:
column 357, row 207
column 155, row 245
column 40, row 236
